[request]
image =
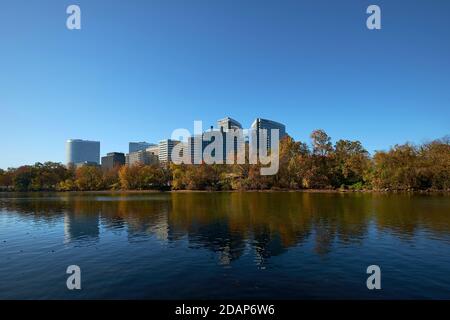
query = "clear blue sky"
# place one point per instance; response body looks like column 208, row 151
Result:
column 139, row 69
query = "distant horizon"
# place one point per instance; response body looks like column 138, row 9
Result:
column 333, row 140
column 139, row 69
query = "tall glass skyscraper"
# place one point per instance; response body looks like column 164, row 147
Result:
column 82, row 151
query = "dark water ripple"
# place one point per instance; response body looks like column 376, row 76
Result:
column 224, row 245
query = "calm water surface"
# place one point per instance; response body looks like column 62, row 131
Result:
column 224, row 245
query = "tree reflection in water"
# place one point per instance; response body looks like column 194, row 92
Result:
column 229, row 224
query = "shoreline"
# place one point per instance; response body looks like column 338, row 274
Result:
column 331, row 191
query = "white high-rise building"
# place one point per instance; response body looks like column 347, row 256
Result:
column 165, row 149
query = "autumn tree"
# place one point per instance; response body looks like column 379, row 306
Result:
column 396, row 169
column 89, row 178
column 144, row 177
column 319, row 174
column 153, row 177
column 321, row 143
column 290, row 173
column 22, row 178
column 5, row 179
column 111, row 178
column 46, row 176
column 347, row 163
column 434, row 167
column 352, row 161
column 129, row 177
column 178, row 176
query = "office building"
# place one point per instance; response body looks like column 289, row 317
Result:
column 153, row 150
column 228, row 123
column 82, row 151
column 138, row 146
column 113, row 160
column 141, row 157
column 259, row 124
column 165, row 149
column 198, row 143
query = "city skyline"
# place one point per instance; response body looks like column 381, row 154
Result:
column 80, row 152
column 161, row 65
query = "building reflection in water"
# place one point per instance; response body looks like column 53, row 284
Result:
column 233, row 224
column 81, row 227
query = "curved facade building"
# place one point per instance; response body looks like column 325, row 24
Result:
column 82, row 151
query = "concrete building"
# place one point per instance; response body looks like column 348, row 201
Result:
column 112, row 160
column 198, row 143
column 138, row 146
column 153, row 150
column 141, row 157
column 228, row 124
column 268, row 125
column 82, row 151
column 165, row 149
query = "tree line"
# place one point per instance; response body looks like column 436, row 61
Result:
column 320, row 165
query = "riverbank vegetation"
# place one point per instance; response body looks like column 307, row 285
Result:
column 320, row 165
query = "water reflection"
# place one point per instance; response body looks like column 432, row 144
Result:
column 228, row 224
column 83, row 226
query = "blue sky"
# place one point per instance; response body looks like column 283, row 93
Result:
column 139, row 69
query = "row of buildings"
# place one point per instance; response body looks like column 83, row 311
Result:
column 84, row 152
